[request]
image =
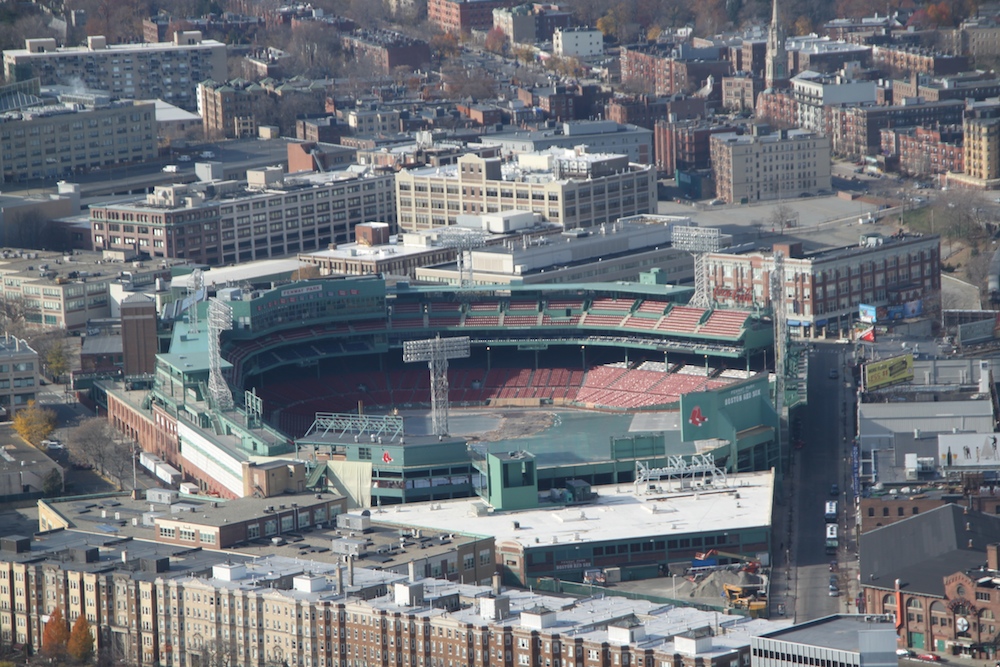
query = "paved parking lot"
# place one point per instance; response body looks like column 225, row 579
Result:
column 822, row 221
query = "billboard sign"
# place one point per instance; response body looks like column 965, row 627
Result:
column 888, row 372
column 867, row 313
column 968, row 450
column 976, row 332
column 913, row 308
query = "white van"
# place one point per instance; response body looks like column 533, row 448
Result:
column 170, row 169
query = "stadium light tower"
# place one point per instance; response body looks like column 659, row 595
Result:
column 195, row 292
column 436, row 352
column 464, row 241
column 220, row 318
column 697, row 241
column 779, row 311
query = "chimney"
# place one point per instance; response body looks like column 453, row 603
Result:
column 411, row 569
column 350, row 571
column 993, row 556
column 497, row 587
column 340, row 579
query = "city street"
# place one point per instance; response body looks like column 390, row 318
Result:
column 818, row 465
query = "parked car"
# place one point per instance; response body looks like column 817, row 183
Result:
column 904, row 652
column 207, row 155
column 835, row 592
column 170, row 169
column 183, row 158
column 833, row 566
column 833, row 580
column 834, row 490
column 929, row 657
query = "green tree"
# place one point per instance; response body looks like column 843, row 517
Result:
column 52, row 485
column 80, row 645
column 34, row 423
column 57, row 360
column 55, row 636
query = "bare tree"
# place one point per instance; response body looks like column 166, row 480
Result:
column 119, row 460
column 94, row 441
column 13, row 316
column 218, row 653
column 783, row 216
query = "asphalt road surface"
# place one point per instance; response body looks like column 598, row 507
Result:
column 820, row 464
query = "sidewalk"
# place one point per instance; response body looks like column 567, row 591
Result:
column 783, row 576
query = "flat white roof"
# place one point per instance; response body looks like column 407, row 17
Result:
column 142, row 46
column 382, row 251
column 617, row 513
column 235, row 274
column 168, row 113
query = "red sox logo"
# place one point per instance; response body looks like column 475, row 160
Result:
column 696, row 418
column 386, row 458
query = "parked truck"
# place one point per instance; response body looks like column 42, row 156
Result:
column 168, row 473
column 149, row 461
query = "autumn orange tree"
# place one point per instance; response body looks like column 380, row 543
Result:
column 55, row 636
column 34, row 423
column 81, row 643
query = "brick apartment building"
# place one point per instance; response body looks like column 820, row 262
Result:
column 462, row 16
column 655, row 66
column 685, row 145
column 926, row 151
column 825, row 288
column 856, row 130
column 915, row 59
column 387, row 49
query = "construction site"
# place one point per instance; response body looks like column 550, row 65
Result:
column 739, row 585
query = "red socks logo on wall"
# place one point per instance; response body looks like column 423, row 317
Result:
column 696, row 417
column 386, row 458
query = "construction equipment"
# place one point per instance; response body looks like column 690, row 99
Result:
column 751, row 565
column 749, row 596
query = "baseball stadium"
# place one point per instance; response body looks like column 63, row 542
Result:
column 586, row 379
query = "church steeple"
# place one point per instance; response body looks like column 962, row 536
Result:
column 776, row 65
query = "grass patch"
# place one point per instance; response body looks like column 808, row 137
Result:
column 920, row 220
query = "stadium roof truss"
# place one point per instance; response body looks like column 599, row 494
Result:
column 700, row 470
column 376, row 427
